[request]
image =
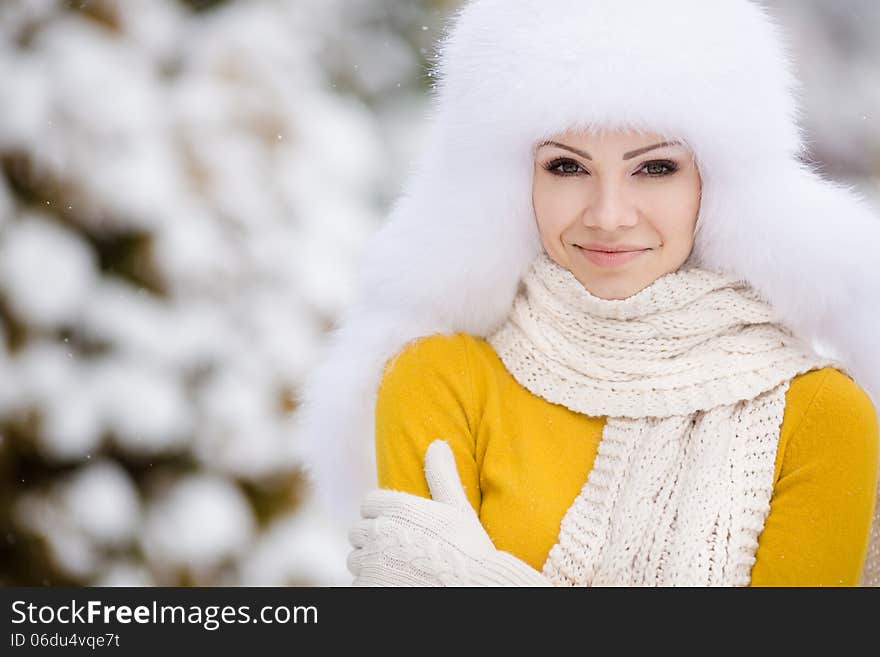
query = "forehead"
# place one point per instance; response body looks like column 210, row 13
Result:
column 614, row 139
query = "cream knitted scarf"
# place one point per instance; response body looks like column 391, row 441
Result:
column 691, row 373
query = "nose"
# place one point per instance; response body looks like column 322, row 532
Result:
column 610, row 208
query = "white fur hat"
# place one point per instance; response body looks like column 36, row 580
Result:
column 715, row 75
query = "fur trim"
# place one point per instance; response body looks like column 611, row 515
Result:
column 511, row 73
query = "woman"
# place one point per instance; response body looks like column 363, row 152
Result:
column 660, row 417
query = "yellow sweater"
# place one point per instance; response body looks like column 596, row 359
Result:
column 523, row 460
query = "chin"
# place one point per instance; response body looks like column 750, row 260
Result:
column 613, row 290
column 606, row 291
column 613, row 296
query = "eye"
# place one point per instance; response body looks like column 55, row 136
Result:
column 658, row 167
column 563, row 166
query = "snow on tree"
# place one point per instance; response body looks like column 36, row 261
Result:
column 185, row 189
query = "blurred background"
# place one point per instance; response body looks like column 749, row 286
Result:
column 185, row 187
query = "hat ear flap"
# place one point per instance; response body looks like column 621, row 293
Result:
column 811, row 247
column 448, row 259
column 333, row 428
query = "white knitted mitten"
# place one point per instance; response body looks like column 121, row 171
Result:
column 408, row 540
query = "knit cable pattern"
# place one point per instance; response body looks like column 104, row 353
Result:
column 691, row 341
column 691, row 373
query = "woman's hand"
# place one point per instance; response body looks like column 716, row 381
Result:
column 408, row 540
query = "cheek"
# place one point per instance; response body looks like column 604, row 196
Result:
column 675, row 213
column 552, row 224
column 690, row 193
column 556, row 207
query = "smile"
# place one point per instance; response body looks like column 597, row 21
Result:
column 610, row 258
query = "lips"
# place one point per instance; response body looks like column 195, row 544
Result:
column 611, row 258
column 611, row 248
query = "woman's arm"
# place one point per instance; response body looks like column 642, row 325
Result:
column 817, row 530
column 426, row 393
column 407, row 540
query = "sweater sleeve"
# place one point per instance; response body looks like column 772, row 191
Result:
column 425, row 393
column 817, row 530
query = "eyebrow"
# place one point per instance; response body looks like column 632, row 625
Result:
column 626, row 156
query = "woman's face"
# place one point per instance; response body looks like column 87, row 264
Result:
column 616, row 192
